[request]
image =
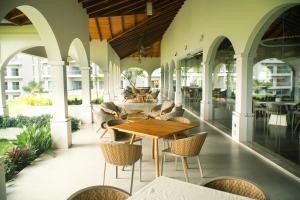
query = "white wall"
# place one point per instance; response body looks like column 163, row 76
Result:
column 200, row 22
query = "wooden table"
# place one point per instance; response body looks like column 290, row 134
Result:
column 153, row 129
column 164, row 188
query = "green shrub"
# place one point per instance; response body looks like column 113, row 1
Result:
column 75, row 124
column 97, row 101
column 5, row 145
column 36, row 101
column 16, row 160
column 74, row 101
column 36, row 139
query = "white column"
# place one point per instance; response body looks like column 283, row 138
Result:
column 60, row 123
column 86, row 115
column 242, row 118
column 3, row 106
column 166, row 81
column 171, row 85
column 2, row 180
column 206, row 103
column 106, row 96
column 162, row 83
column 178, row 94
column 149, row 80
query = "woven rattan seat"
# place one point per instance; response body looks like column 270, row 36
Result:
column 237, row 186
column 121, row 154
column 184, row 148
column 100, row 192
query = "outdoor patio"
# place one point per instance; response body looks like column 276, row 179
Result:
column 58, row 176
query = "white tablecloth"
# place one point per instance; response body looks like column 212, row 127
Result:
column 164, row 188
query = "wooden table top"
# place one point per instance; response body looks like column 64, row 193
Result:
column 153, row 128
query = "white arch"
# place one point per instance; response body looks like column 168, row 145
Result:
column 262, row 26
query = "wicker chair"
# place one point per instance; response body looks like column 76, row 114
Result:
column 161, row 109
column 184, row 148
column 179, row 135
column 108, row 111
column 237, row 186
column 100, row 192
column 119, row 136
column 120, row 154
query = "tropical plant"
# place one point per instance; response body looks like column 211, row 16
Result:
column 36, row 101
column 36, row 139
column 74, row 101
column 132, row 74
column 75, row 124
column 32, row 88
column 16, row 160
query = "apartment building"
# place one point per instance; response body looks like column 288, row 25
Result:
column 24, row 68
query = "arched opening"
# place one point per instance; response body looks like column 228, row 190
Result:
column 276, row 83
column 223, row 88
column 156, row 78
column 134, row 77
column 97, row 79
column 191, row 82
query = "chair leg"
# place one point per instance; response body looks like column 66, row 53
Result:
column 176, row 163
column 185, row 169
column 104, row 171
column 98, row 129
column 162, row 164
column 132, row 173
column 116, row 172
column 200, row 168
column 105, row 131
column 141, row 169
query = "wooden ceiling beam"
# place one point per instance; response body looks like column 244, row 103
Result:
column 142, row 25
column 122, row 24
column 116, row 10
column 98, row 28
column 110, row 27
column 109, row 6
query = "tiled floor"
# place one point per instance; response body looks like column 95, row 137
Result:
column 57, row 177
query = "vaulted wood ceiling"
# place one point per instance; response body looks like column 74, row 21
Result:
column 124, row 24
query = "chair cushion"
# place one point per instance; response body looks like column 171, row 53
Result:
column 109, row 106
column 154, row 114
column 167, row 106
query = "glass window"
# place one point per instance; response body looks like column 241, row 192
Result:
column 14, row 72
column 76, row 85
column 191, row 77
column 6, row 86
column 15, row 85
column 75, row 70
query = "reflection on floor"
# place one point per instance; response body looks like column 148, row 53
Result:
column 57, row 177
column 278, row 139
column 192, row 105
column 222, row 114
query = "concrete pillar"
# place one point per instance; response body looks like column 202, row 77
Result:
column 3, row 106
column 242, row 117
column 2, row 180
column 60, row 123
column 171, row 85
column 149, row 80
column 86, row 115
column 206, row 103
column 106, row 95
column 162, row 83
column 178, row 93
column 166, row 81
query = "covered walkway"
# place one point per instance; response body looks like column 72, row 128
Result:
column 57, row 177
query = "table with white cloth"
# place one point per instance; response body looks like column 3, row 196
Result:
column 163, row 188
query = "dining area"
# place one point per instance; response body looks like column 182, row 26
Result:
column 163, row 143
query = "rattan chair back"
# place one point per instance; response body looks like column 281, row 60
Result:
column 100, row 193
column 237, row 186
column 115, row 134
column 181, row 120
column 121, row 154
column 190, row 146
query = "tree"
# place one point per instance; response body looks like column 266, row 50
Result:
column 132, row 74
column 32, row 88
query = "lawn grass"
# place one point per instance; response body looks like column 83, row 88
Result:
column 5, row 145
